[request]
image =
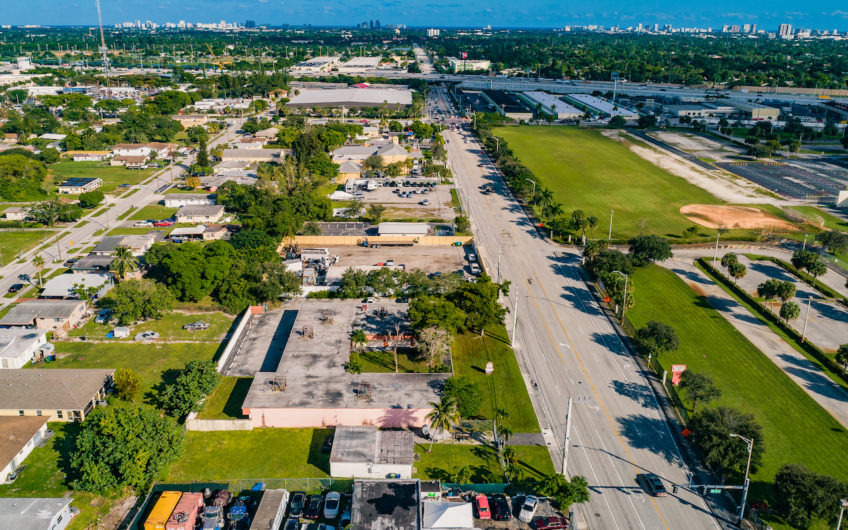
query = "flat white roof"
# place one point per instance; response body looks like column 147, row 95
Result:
column 362, row 62
column 403, row 228
column 23, row 513
column 353, row 96
column 602, row 105
column 552, row 103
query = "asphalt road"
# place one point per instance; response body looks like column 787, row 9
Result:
column 566, row 347
column 76, row 236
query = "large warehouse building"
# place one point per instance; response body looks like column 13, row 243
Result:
column 551, row 105
column 353, row 97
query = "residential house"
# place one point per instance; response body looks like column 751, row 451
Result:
column 16, row 213
column 190, row 233
column 268, row 134
column 88, row 156
column 157, row 149
column 93, row 263
column 10, row 138
column 348, row 169
column 177, row 200
column 129, row 161
column 52, row 315
column 59, row 395
column 18, row 437
column 200, row 214
column 137, row 243
column 31, row 513
column 216, row 232
column 62, row 287
column 77, row 185
column 18, row 346
column 249, row 142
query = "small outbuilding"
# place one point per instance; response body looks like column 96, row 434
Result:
column 368, row 452
column 121, row 332
column 31, row 513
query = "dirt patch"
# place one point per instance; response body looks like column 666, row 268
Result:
column 697, row 288
column 723, row 216
column 118, row 513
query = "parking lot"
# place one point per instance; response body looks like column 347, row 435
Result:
column 798, row 179
column 442, row 259
column 439, row 201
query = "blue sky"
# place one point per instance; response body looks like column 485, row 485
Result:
column 826, row 14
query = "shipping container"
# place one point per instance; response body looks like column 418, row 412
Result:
column 271, row 510
column 186, row 512
column 162, row 510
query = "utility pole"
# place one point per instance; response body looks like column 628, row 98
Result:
column 806, row 317
column 567, row 439
column 804, row 246
column 750, row 442
column 715, row 254
column 499, row 262
column 842, row 505
column 609, row 236
column 514, row 320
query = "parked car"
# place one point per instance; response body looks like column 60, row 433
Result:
column 15, row 474
column 147, row 335
column 500, row 508
column 292, row 523
column 298, row 502
column 327, row 446
column 550, row 523
column 15, row 287
column 481, row 506
column 313, row 509
column 142, row 224
column 197, row 326
column 390, row 262
column 164, row 222
column 652, row 483
column 332, row 504
column 323, row 526
column 103, row 317
column 528, row 509
column 472, row 257
column 345, row 520
column 69, row 262
column 213, row 518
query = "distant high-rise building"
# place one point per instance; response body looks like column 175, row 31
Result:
column 735, row 28
column 433, row 32
column 746, row 28
column 250, row 23
column 377, row 24
column 371, row 24
column 785, row 31
column 725, row 29
column 753, row 28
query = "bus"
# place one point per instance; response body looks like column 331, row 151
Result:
column 162, row 510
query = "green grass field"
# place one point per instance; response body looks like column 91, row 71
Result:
column 13, row 242
column 256, row 454
column 112, row 176
column 153, row 211
column 588, row 171
column 169, row 327
column 149, row 361
column 795, row 427
column 505, row 388
column 384, row 362
column 447, row 459
column 225, row 402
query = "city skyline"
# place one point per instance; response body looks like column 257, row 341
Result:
column 440, row 13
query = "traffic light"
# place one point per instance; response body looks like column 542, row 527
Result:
column 674, row 488
column 702, row 490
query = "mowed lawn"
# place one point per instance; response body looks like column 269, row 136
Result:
column 795, row 427
column 12, row 242
column 225, row 402
column 169, row 327
column 256, row 454
column 590, row 172
column 112, row 176
column 505, row 388
column 153, row 211
column 446, row 459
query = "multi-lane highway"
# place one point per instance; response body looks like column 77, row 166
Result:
column 76, row 236
column 567, row 348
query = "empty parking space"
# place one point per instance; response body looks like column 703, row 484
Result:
column 442, row 259
column 799, row 179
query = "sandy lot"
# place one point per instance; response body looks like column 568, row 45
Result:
column 724, row 216
column 723, row 185
column 428, row 259
column 698, row 145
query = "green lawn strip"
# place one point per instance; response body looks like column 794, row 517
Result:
column 81, row 223
column 256, row 454
column 56, row 272
column 830, row 221
column 169, row 327
column 384, row 362
column 15, row 242
column 45, row 476
column 87, row 250
column 100, row 212
column 446, row 459
column 588, row 171
column 225, row 402
column 126, row 214
column 811, row 352
column 112, row 176
column 131, row 192
column 149, row 360
column 749, row 381
column 505, row 388
column 456, row 203
column 153, row 211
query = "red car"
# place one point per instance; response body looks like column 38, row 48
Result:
column 164, row 222
column 482, row 505
column 550, row 523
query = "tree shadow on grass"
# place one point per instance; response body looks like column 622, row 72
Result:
column 64, row 444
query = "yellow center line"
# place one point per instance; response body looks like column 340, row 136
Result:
column 574, row 349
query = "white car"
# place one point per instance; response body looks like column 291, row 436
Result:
column 332, row 503
column 142, row 224
column 528, row 509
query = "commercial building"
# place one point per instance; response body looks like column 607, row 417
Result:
column 508, row 104
column 19, row 346
column 62, row 287
column 353, row 98
column 551, row 105
column 157, row 149
column 31, row 513
column 697, row 110
column 77, row 185
column 129, row 162
column 52, row 315
column 390, row 152
column 58, row 395
column 359, row 64
column 601, row 106
column 468, row 65
column 176, row 200
column 255, row 155
column 316, row 65
column 403, row 229
column 755, row 111
column 384, row 504
column 18, row 437
column 367, row 452
column 200, row 214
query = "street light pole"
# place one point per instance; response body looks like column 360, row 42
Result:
column 533, row 195
column 715, row 254
column 842, row 505
column 804, row 246
column 609, row 236
column 514, row 320
column 567, row 439
column 750, row 442
column 807, row 316
column 499, row 262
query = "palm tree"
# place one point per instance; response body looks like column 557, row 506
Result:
column 123, row 263
column 442, row 418
column 38, row 262
column 462, row 475
column 842, row 357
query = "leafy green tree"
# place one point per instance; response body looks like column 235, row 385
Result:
column 645, row 250
column 646, row 121
column 195, row 381
column 202, row 159
column 123, row 447
column 466, row 394
column 90, row 199
column 123, row 262
column 789, row 311
column 841, row 357
column 658, row 338
column 608, row 260
column 711, row 430
column 429, row 311
column 834, row 241
column 136, row 300
column 785, row 291
column 479, row 301
column 21, row 178
column 802, row 497
column 373, row 162
column 358, row 339
column 617, row 122
column 699, row 387
column 127, row 384
column 564, row 492
column 375, row 212
column 442, row 418
column 192, row 270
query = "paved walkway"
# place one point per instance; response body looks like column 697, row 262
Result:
column 807, row 375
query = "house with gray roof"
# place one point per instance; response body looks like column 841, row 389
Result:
column 31, row 513
column 363, row 451
column 52, row 315
column 58, row 395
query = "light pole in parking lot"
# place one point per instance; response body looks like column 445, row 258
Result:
column 750, row 442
